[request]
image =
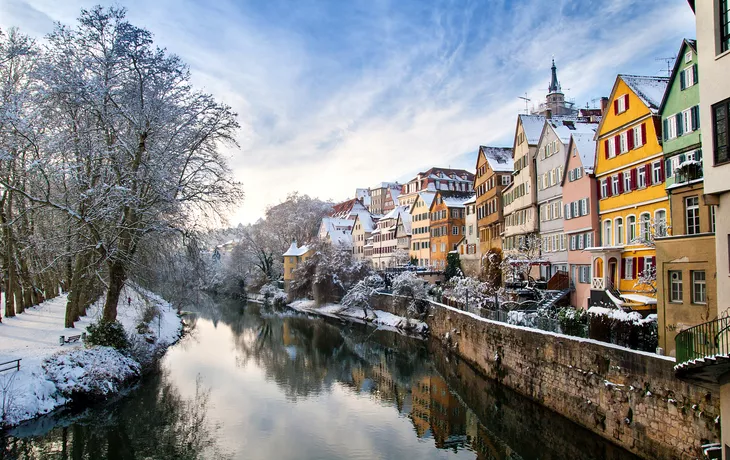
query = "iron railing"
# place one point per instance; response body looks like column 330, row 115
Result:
column 705, row 340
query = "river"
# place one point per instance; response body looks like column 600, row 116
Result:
column 254, row 382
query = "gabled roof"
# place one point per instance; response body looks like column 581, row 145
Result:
column 649, row 89
column 586, row 145
column 295, row 251
column 454, row 199
column 426, row 196
column 678, row 62
column 499, row 158
column 366, row 220
column 532, row 125
column 566, row 127
column 446, row 173
column 342, row 209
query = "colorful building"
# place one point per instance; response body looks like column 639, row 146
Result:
column 494, row 173
column 434, row 180
column 362, row 229
column 294, row 256
column 580, row 214
column 686, row 258
column 633, row 204
column 470, row 254
column 391, row 239
column 447, row 224
column 382, row 197
column 421, row 228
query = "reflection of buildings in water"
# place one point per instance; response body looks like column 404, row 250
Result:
column 448, row 415
column 421, row 411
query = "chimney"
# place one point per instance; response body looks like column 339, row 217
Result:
column 604, row 105
column 548, row 113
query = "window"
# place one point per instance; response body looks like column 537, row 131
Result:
column 629, row 268
column 638, row 138
column 699, row 287
column 433, row 248
column 614, row 185
column 631, row 228
column 642, row 177
column 505, row 180
column 454, row 230
column 687, row 125
column 584, row 207
column 604, row 188
column 660, row 222
column 624, row 142
column 721, row 125
column 644, row 226
column 688, row 57
column 607, row 233
column 627, row 182
column 619, row 231
column 724, row 25
column 670, row 127
column 611, row 148
column 656, row 172
column 688, row 77
column 692, row 214
column 712, row 218
column 443, row 247
column 675, row 286
column 622, row 103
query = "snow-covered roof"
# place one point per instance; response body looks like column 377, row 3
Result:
column 638, row 298
column 565, row 127
column 471, row 200
column 366, row 220
column 405, row 219
column 499, row 158
column 295, row 251
column 532, row 125
column 456, row 199
column 649, row 89
column 340, row 237
column 394, row 194
column 427, row 198
column 586, row 146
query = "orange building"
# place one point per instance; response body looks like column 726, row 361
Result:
column 494, row 172
column 447, row 224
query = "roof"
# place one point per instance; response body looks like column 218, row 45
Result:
column 456, row 199
column 678, row 63
column 586, row 146
column 342, row 209
column 366, row 220
column 471, row 200
column 565, row 127
column 499, row 158
column 295, row 251
column 427, row 197
column 340, row 237
column 532, row 125
column 440, row 172
column 649, row 89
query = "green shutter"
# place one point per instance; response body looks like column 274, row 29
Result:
column 695, row 74
column 682, row 80
column 665, row 134
column 680, row 125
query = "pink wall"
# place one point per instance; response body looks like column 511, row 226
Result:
column 573, row 191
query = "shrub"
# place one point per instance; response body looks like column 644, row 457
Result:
column 573, row 321
column 107, row 334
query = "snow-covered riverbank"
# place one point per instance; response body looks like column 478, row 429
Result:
column 51, row 374
column 377, row 317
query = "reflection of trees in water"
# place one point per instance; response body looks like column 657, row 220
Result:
column 155, row 422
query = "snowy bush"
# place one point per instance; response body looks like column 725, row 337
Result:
column 107, row 334
column 466, row 290
column 628, row 329
column 94, row 372
column 408, row 285
column 453, row 265
column 573, row 321
column 268, row 290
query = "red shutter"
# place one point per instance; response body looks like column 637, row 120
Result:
column 653, row 261
column 609, row 188
column 641, row 265
column 623, row 268
column 633, row 179
column 626, row 102
column 643, row 134
column 649, row 172
column 630, row 139
column 615, row 107
column 633, row 274
column 617, row 144
column 620, row 182
column 605, row 148
column 661, row 171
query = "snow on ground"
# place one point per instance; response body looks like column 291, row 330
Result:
column 378, row 317
column 49, row 372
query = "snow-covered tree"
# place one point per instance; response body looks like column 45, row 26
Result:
column 453, row 265
column 519, row 262
column 408, row 284
column 361, row 294
column 470, row 291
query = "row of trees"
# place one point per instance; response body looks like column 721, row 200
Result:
column 106, row 149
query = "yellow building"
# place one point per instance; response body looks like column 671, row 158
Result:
column 294, row 256
column 421, row 228
column 633, row 206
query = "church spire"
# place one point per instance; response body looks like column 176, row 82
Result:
column 554, row 84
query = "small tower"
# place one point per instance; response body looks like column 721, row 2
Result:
column 555, row 100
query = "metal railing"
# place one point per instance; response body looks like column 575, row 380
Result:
column 13, row 364
column 705, row 340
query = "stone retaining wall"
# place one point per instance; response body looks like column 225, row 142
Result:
column 631, row 398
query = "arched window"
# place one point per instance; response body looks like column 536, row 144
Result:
column 630, row 229
column 619, row 231
column 660, row 219
column 607, row 233
column 645, row 226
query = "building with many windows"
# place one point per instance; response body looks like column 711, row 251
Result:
column 420, row 212
column 470, row 253
column 580, row 214
column 632, row 198
column 434, row 180
column 494, row 173
column 383, row 197
column 686, row 256
column 448, row 214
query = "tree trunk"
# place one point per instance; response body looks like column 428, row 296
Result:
column 117, row 277
column 75, row 290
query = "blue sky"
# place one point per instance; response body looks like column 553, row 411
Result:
column 334, row 95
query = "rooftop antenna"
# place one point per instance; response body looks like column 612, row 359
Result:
column 669, row 61
column 527, row 100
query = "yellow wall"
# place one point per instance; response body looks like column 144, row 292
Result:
column 419, row 207
column 292, row 262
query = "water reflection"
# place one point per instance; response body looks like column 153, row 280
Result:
column 283, row 385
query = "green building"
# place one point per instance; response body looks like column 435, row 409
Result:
column 685, row 269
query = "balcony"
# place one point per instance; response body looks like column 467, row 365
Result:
column 598, row 283
column 703, row 352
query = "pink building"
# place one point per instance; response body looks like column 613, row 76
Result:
column 580, row 199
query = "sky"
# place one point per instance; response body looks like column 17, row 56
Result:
column 332, row 95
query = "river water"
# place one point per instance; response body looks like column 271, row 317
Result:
column 254, row 382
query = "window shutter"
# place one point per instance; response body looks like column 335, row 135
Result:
column 630, row 139
column 617, row 144
column 695, row 74
column 633, row 179
column 623, row 269
column 609, row 186
column 680, row 124
column 633, row 268
column 661, row 171
column 643, row 134
column 682, row 80
column 626, row 102
column 641, row 265
column 620, row 182
column 696, row 117
column 615, row 107
column 600, row 193
column 605, row 148
column 649, row 172
column 653, row 261
column 665, row 129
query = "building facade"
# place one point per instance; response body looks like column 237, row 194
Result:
column 362, row 229
column 447, row 224
column 469, row 248
column 294, row 256
column 381, row 194
column 494, row 173
column 388, row 235
column 421, row 228
column 633, row 205
column 580, row 213
column 436, row 179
